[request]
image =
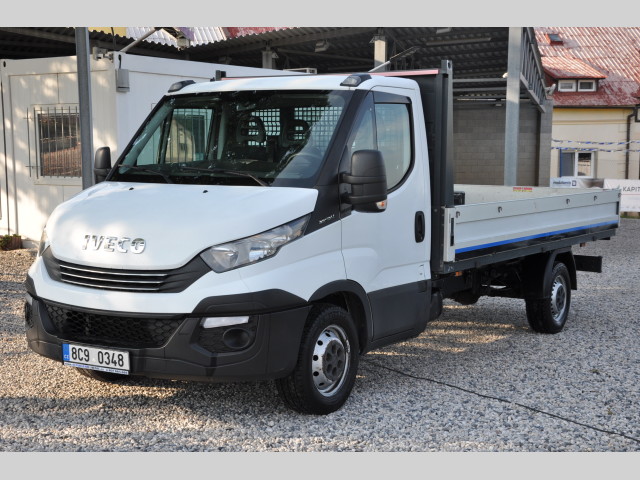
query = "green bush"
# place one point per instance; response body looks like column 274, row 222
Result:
column 7, row 242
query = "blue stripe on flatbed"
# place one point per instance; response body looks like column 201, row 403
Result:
column 531, row 237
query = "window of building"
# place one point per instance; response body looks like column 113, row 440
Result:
column 590, row 85
column 576, row 164
column 584, row 164
column 555, row 38
column 567, row 86
column 58, row 141
column 586, row 85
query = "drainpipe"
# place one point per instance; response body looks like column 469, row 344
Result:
column 6, row 160
column 627, row 155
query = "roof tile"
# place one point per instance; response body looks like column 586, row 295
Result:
column 611, row 51
column 561, row 67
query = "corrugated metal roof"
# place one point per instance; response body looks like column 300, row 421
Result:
column 201, row 35
column 475, row 52
column 42, row 42
column 479, row 54
column 613, row 51
column 234, row 32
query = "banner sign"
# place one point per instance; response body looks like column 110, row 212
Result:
column 574, row 182
column 630, row 189
column 563, row 182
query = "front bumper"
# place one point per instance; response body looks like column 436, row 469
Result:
column 174, row 346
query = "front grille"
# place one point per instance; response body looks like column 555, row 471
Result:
column 28, row 315
column 119, row 331
column 162, row 281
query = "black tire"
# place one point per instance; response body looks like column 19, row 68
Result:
column 327, row 363
column 103, row 376
column 549, row 314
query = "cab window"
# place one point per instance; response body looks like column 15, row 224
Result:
column 385, row 125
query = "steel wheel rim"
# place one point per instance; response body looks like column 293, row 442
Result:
column 330, row 361
column 558, row 298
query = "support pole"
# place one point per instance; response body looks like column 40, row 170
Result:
column 379, row 51
column 268, row 58
column 84, row 97
column 512, row 114
column 544, row 143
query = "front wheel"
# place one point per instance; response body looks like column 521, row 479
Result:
column 549, row 313
column 327, row 363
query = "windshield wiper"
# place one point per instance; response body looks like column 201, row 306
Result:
column 224, row 170
column 166, row 177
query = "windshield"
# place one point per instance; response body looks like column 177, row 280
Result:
column 257, row 138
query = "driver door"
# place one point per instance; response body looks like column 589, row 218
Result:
column 382, row 251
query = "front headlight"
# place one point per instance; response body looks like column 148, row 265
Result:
column 245, row 251
column 44, row 243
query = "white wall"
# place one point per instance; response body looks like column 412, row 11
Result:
column 597, row 125
column 27, row 198
column 28, row 85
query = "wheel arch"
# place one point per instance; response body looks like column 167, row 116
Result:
column 566, row 257
column 352, row 297
column 540, row 265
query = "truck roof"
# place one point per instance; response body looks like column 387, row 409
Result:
column 301, row 82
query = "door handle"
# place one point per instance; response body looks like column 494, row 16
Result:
column 419, row 226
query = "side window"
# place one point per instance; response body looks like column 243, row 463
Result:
column 149, row 154
column 393, row 131
column 386, row 126
column 364, row 138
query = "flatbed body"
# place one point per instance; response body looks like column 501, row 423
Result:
column 498, row 223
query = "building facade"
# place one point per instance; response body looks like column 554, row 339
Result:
column 596, row 76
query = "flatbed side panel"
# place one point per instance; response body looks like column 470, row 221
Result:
column 488, row 228
column 523, row 251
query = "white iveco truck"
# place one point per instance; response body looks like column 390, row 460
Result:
column 279, row 228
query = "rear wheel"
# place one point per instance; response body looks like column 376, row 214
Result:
column 549, row 313
column 327, row 363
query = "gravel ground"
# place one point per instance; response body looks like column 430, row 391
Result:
column 478, row 379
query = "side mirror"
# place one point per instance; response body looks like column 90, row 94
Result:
column 102, row 163
column 368, row 180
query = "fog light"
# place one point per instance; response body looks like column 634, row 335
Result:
column 237, row 338
column 215, row 322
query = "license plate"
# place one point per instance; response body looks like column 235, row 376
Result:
column 81, row 356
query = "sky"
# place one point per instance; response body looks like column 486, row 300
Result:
column 325, row 13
